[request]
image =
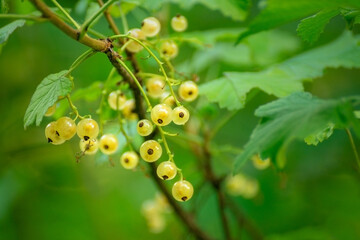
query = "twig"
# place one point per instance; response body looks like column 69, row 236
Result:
column 67, row 15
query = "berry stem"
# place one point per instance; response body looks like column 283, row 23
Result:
column 156, row 59
column 73, row 108
column 23, row 16
column 136, row 81
column 66, row 14
column 122, row 129
column 80, row 59
column 162, row 134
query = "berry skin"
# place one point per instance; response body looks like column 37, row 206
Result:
column 188, row 91
column 150, row 27
column 169, row 49
column 87, row 129
column 144, row 127
column 179, row 23
column 133, row 46
column 108, row 144
column 182, row 190
column 66, row 127
column 180, row 115
column 129, row 160
column 51, row 110
column 150, row 151
column 52, row 134
column 116, row 100
column 89, row 147
column 155, row 87
column 259, row 163
column 167, row 99
column 129, row 107
column 166, row 170
column 161, row 114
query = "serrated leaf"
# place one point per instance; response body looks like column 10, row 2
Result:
column 309, row 29
column 279, row 12
column 285, row 78
column 9, row 29
column 295, row 117
column 322, row 135
column 46, row 94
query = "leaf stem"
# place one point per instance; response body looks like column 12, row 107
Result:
column 351, row 139
column 81, row 59
column 73, row 108
column 66, row 14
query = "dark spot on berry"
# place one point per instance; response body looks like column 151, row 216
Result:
column 164, row 52
column 126, row 160
column 184, row 198
column 142, row 24
column 86, row 138
column 49, row 140
column 165, row 177
column 150, row 151
column 178, row 15
column 160, row 121
column 146, row 89
column 57, row 133
column 190, row 92
column 181, row 114
column 106, row 146
column 141, row 124
column 121, row 94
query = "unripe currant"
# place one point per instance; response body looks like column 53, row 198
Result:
column 129, row 160
column 161, row 114
column 52, row 134
column 167, row 99
column 166, row 170
column 188, row 91
column 133, row 46
column 116, row 100
column 144, row 127
column 150, row 151
column 66, row 127
column 108, row 144
column 182, row 190
column 150, row 26
column 87, row 129
column 128, row 108
column 51, row 110
column 169, row 49
column 180, row 115
column 89, row 147
column 155, row 87
column 179, row 23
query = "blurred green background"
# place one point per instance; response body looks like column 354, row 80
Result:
column 45, row 194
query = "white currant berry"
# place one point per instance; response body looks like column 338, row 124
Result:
column 150, row 151
column 51, row 110
column 87, row 129
column 259, row 163
column 188, row 91
column 52, row 134
column 128, row 109
column 132, row 45
column 155, row 87
column 182, row 190
column 161, row 114
column 169, row 49
column 129, row 160
column 66, row 127
column 180, row 115
column 166, row 170
column 144, row 127
column 251, row 189
column 179, row 23
column 89, row 147
column 108, row 144
column 116, row 100
column 150, row 26
column 168, row 99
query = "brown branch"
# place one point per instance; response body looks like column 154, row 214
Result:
column 106, row 47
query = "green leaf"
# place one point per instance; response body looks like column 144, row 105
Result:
column 9, row 29
column 309, row 29
column 295, row 117
column 4, row 6
column 322, row 135
column 46, row 94
column 279, row 12
column 285, row 78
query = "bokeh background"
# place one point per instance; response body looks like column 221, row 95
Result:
column 45, row 194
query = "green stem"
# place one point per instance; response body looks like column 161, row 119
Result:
column 66, row 13
column 23, row 16
column 221, row 124
column 137, row 82
column 123, row 20
column 156, row 59
column 73, row 108
column 90, row 20
column 81, row 59
column 353, row 146
column 128, row 140
column 162, row 134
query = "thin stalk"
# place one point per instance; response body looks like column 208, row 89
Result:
column 172, row 80
column 81, row 59
column 23, row 16
column 73, row 108
column 128, row 140
column 66, row 13
column 162, row 134
column 136, row 81
column 353, row 147
column 156, row 59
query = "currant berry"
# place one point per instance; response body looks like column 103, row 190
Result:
column 89, row 147
column 166, row 170
column 129, row 160
column 150, row 151
column 150, row 26
column 155, row 87
column 133, row 46
column 161, row 114
column 87, row 129
column 182, row 190
column 108, row 144
column 180, row 115
column 66, row 127
column 188, row 91
column 259, row 163
column 167, row 99
column 51, row 110
column 52, row 134
column 179, row 23
column 128, row 108
column 116, row 100
column 169, row 49
column 144, row 127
